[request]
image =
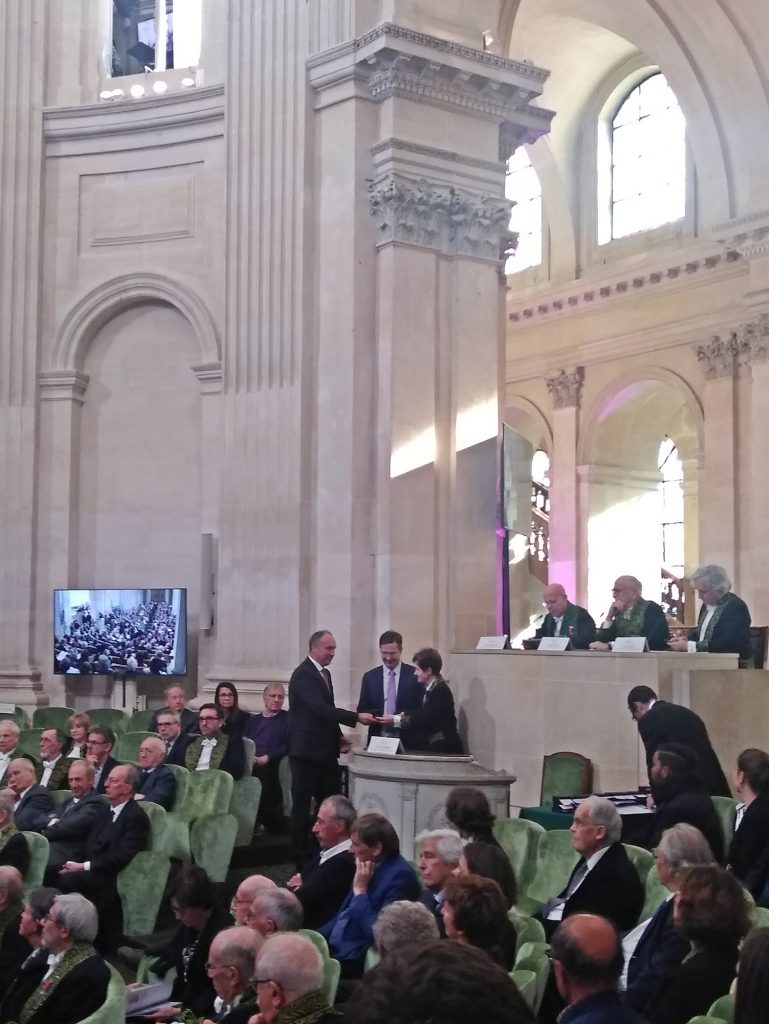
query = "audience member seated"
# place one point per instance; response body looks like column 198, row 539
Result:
column 174, row 740
column 274, row 910
column 52, row 771
column 9, row 737
column 156, row 782
column 234, row 718
column 748, row 856
column 176, row 699
column 289, row 983
column 401, row 924
column 324, row 882
column 101, row 740
column 751, row 997
column 34, row 804
column 438, row 856
column 474, row 912
column 14, row 850
column 79, row 726
column 230, row 966
column 194, row 902
column 68, row 984
column 432, row 725
column 713, row 913
column 630, row 615
column 490, row 862
column 654, row 949
column 443, row 981
column 212, row 749
column 468, row 810
column 112, row 843
column 240, row 905
column 269, row 731
column 381, row 877
column 68, row 832
column 29, row 952
column 587, row 959
column 566, row 619
column 724, row 623
column 660, row 722
column 679, row 794
column 13, row 946
column 604, row 880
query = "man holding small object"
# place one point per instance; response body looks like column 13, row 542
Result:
column 630, row 615
column 391, row 688
column 724, row 623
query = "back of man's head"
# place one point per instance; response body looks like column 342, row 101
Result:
column 679, row 759
column 293, row 962
column 588, row 956
column 401, row 923
column 640, row 695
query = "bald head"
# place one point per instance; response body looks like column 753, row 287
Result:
column 11, row 885
column 555, row 599
column 588, row 956
column 245, row 893
column 293, row 962
column 234, row 950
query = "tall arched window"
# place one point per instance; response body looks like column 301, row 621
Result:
column 642, row 162
column 523, row 188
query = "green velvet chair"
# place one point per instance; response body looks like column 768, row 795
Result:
column 212, row 840
column 29, row 741
column 19, row 716
column 145, row 973
column 556, row 858
column 656, row 892
column 52, row 718
column 532, row 956
column 643, row 861
column 140, row 720
column 317, row 940
column 371, row 959
column 113, row 1010
column 760, row 917
column 520, row 841
column 141, row 885
column 128, row 743
column 38, row 858
column 158, row 825
column 565, row 773
column 60, row 795
column 331, row 972
column 116, row 719
column 244, row 805
column 526, row 983
column 726, row 809
column 724, row 1009
column 206, row 792
column 249, row 752
column 527, row 930
column 704, row 1019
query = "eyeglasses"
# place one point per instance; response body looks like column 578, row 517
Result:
column 96, row 743
column 210, row 968
column 235, row 900
column 208, row 718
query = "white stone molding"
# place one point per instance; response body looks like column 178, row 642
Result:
column 62, row 386
column 210, row 377
column 565, row 387
column 441, row 218
column 403, row 145
column 748, row 235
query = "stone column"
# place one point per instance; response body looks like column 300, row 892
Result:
column 565, row 388
column 753, row 337
column 22, row 60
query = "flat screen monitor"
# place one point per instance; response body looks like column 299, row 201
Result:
column 119, row 632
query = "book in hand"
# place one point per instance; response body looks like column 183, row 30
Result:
column 148, row 998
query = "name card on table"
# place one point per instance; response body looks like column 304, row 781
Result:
column 554, row 643
column 384, row 745
column 491, row 643
column 629, row 645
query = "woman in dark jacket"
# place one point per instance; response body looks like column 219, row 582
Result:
column 433, row 726
column 749, row 848
column 469, row 812
column 235, row 719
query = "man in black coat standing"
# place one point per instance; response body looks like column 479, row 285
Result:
column 315, row 737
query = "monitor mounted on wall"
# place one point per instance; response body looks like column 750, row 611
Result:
column 120, row 632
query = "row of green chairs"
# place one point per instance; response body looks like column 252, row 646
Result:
column 532, row 958
column 53, row 717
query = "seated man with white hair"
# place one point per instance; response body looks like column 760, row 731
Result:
column 439, row 852
column 240, row 904
column 231, row 968
column 275, row 910
column 9, row 738
column 401, row 923
column 604, row 880
column 289, row 983
column 723, row 626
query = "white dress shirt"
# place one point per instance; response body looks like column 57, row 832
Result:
column 204, row 760
column 556, row 914
column 332, row 851
column 48, row 767
column 691, row 645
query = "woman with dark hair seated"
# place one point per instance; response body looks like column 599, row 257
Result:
column 748, row 856
column 234, row 718
column 492, row 862
column 474, row 912
column 432, row 726
column 469, row 812
column 713, row 913
column 752, row 996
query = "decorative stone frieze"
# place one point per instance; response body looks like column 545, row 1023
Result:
column 749, row 235
column 565, row 387
column 753, row 337
column 727, row 355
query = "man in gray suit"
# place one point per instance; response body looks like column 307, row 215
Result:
column 34, row 804
column 68, row 832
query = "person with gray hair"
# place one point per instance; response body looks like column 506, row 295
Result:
column 9, row 737
column 401, row 923
column 723, row 626
column 289, row 979
column 631, row 615
column 323, row 883
column 439, row 851
column 14, row 849
column 275, row 910
column 654, row 949
column 13, row 947
column 604, row 880
column 230, row 967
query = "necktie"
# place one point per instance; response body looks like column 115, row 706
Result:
column 576, row 878
column 169, row 744
column 390, row 699
column 327, row 677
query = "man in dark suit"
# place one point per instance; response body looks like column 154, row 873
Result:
column 9, row 738
column 175, row 740
column 679, row 794
column 439, row 853
column 391, row 688
column 34, row 804
column 566, row 619
column 660, row 722
column 315, row 737
column 231, row 959
column 68, row 833
column 723, row 626
column 111, row 845
column 630, row 615
column 176, row 700
column 213, row 748
column 53, row 769
column 14, row 849
column 323, row 883
column 101, row 740
column 156, row 782
column 604, row 880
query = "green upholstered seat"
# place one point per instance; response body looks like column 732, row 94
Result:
column 643, row 860
column 526, row 983
column 317, row 940
column 530, row 950
column 52, row 718
column 19, row 716
column 284, row 774
column 116, row 719
column 141, row 885
column 212, row 840
column 206, row 792
column 371, row 959
column 532, row 956
column 158, row 825
column 761, row 917
column 140, row 720
column 705, row 1019
column 565, row 773
column 113, row 1010
column 556, row 858
column 527, row 929
column 249, row 752
column 29, row 741
column 331, row 972
column 656, row 892
column 726, row 808
column 723, row 1008
column 244, row 805
column 145, row 973
column 60, row 795
column 182, row 777
column 38, row 858
column 128, row 743
column 520, row 841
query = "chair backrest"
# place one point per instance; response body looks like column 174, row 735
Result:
column 530, row 951
column 18, row 715
column 317, row 940
column 127, row 745
column 526, row 983
column 182, row 777
column 520, row 841
column 212, row 840
column 60, row 795
column 140, row 720
column 723, row 1007
column 565, row 773
column 643, row 860
column 656, row 892
column 725, row 808
column 52, row 718
column 244, row 804
column 761, row 917
column 29, row 741
column 38, row 858
column 556, row 858
column 250, row 753
column 208, row 791
column 116, row 719
column 371, row 959
column 284, row 774
column 332, row 969
column 527, row 931
column 158, row 825
column 759, row 638
column 535, row 960
column 113, row 1009
column 141, row 885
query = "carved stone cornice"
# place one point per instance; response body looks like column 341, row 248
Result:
column 62, row 385
column 727, row 355
column 565, row 387
column 449, row 155
column 749, row 235
column 442, row 218
column 210, row 377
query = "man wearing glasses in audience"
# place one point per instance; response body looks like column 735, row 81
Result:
column 213, row 749
column 101, row 740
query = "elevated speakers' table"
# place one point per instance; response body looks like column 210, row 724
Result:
column 410, row 790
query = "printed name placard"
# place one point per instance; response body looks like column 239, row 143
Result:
column 553, row 643
column 384, row 745
column 491, row 643
column 629, row 645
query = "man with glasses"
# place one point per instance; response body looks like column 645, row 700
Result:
column 101, row 740
column 566, row 619
column 630, row 615
column 289, row 982
column 176, row 699
column 240, row 907
column 213, row 748
column 175, row 740
column 230, row 967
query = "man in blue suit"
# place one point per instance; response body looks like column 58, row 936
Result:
column 381, row 877
column 391, row 688
column 156, row 781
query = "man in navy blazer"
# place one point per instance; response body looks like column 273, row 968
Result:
column 392, row 687
column 34, row 804
column 156, row 782
column 101, row 740
column 381, row 877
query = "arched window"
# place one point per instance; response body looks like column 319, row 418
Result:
column 539, row 536
column 642, row 162
column 155, row 35
column 674, row 589
column 523, row 188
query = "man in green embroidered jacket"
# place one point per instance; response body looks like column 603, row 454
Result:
column 289, row 983
column 566, row 619
column 630, row 615
column 214, row 749
column 723, row 626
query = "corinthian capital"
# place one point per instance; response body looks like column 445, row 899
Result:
column 753, row 339
column 723, row 356
column 565, row 387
